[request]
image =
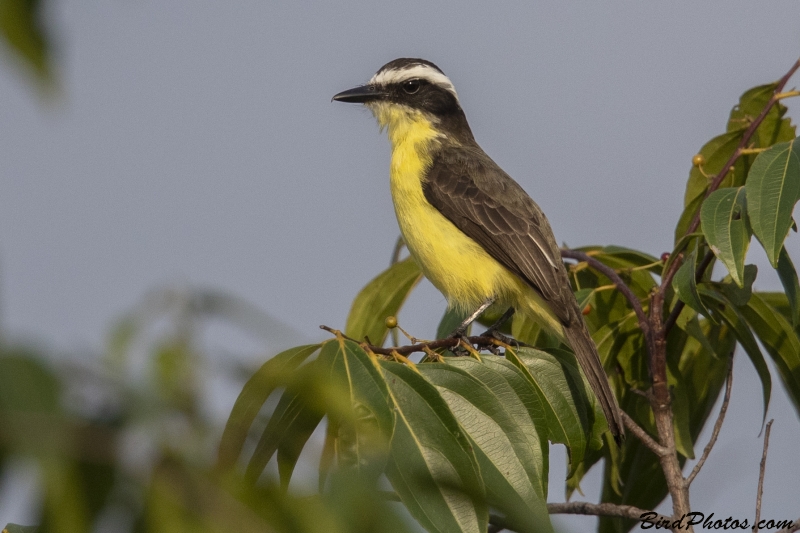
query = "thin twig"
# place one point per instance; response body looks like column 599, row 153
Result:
column 602, row 509
column 642, row 435
column 762, row 468
column 611, row 274
column 717, row 426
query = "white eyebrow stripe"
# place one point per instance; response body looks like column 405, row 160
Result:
column 423, row 72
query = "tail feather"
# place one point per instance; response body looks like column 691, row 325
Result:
column 586, row 352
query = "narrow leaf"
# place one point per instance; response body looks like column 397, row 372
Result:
column 255, row 392
column 506, row 444
column 726, row 227
column 788, row 275
column 363, row 445
column 382, row 297
column 569, row 407
column 773, row 188
column 432, row 466
column 731, row 316
column 685, row 285
column 780, row 341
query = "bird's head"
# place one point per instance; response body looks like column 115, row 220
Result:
column 409, row 90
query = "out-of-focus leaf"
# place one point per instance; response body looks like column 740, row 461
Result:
column 622, row 344
column 567, row 400
column 255, row 392
column 432, row 465
column 731, row 316
column 725, row 224
column 688, row 321
column 363, row 444
column 22, row 29
column 773, row 188
column 779, row 302
column 382, row 297
column 686, row 287
column 14, row 528
column 452, row 318
column 506, row 443
column 293, row 420
column 680, row 411
column 328, row 454
column 788, row 275
column 312, row 393
column 780, row 341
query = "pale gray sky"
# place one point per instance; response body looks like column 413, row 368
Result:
column 194, row 142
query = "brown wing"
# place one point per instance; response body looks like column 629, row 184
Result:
column 484, row 202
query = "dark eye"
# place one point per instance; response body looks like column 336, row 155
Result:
column 411, row 86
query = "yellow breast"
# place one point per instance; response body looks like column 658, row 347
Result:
column 457, row 265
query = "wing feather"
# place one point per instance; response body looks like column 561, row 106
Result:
column 484, row 202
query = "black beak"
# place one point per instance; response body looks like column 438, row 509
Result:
column 359, row 95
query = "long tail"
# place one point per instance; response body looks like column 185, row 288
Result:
column 586, row 352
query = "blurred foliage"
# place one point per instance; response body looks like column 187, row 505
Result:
column 23, row 31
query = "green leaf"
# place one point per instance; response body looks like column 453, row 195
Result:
column 452, row 318
column 382, row 297
column 727, row 230
column 621, row 344
column 620, row 257
column 773, row 187
column 255, row 392
column 788, row 276
column 680, row 410
column 774, row 128
column 14, row 528
column 312, row 392
column 21, row 27
column 685, row 285
column 739, row 296
column 688, row 321
column 432, row 465
column 290, row 425
column 569, row 406
column 728, row 312
column 780, row 341
column 506, row 443
column 362, row 445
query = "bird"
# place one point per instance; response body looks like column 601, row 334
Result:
column 474, row 231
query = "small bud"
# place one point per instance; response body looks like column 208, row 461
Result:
column 664, row 257
column 587, row 310
column 391, row 322
column 698, row 160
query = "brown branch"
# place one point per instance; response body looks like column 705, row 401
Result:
column 642, row 435
column 762, row 468
column 449, row 342
column 717, row 426
column 611, row 274
column 602, row 509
